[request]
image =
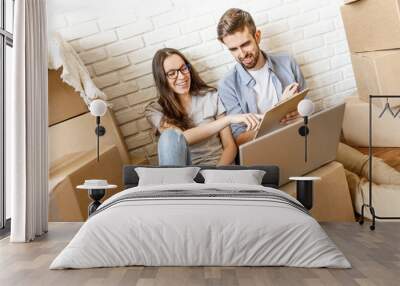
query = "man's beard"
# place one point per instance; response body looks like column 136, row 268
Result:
column 253, row 63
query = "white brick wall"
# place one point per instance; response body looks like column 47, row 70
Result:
column 117, row 40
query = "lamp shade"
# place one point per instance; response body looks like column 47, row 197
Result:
column 305, row 107
column 98, row 107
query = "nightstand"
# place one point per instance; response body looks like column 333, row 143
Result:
column 96, row 190
column 304, row 190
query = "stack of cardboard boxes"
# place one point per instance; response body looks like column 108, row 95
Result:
column 373, row 35
column 72, row 151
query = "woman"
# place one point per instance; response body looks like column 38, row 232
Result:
column 190, row 116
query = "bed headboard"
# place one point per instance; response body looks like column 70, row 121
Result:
column 270, row 179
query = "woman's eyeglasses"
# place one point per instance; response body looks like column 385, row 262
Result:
column 173, row 74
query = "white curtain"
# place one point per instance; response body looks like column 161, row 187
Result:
column 27, row 123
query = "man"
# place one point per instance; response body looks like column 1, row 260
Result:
column 258, row 81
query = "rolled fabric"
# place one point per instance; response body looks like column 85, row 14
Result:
column 386, row 199
column 352, row 159
column 357, row 162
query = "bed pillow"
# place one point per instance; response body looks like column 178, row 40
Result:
column 248, row 177
column 166, row 176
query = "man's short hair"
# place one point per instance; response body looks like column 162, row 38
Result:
column 235, row 20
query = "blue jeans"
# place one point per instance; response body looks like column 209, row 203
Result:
column 173, row 149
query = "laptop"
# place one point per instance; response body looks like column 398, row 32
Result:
column 285, row 147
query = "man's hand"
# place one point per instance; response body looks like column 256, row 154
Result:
column 288, row 118
column 290, row 90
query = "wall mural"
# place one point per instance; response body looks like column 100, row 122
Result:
column 106, row 51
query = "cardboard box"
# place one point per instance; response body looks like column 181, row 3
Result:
column 377, row 73
column 64, row 102
column 385, row 130
column 372, row 25
column 66, row 203
column 77, row 135
column 63, row 202
column 332, row 200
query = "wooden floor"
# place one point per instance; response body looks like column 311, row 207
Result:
column 375, row 257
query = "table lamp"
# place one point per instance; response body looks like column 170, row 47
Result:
column 98, row 108
column 305, row 108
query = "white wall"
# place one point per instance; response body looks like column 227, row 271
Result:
column 117, row 39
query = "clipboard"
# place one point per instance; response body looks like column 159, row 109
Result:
column 272, row 118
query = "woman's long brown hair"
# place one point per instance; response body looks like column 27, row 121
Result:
column 174, row 112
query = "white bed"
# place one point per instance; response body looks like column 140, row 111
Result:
column 249, row 226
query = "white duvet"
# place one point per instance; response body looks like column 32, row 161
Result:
column 200, row 231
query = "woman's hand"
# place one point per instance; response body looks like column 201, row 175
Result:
column 290, row 90
column 252, row 120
